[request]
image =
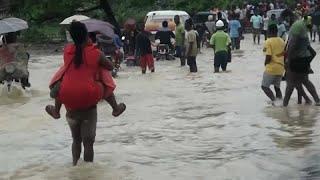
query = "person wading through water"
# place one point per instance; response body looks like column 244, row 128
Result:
column 180, row 38
column 221, row 42
column 192, row 50
column 256, row 21
column 80, row 84
column 299, row 56
column 274, row 63
column 144, row 51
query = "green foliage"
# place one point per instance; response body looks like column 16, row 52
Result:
column 45, row 33
column 40, row 13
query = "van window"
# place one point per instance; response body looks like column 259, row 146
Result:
column 156, row 17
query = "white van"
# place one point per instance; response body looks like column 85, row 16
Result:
column 154, row 19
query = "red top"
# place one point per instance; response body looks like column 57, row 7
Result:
column 79, row 88
column 7, row 55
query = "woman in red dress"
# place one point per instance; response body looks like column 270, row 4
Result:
column 80, row 84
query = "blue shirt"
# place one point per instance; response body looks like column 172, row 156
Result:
column 256, row 21
column 234, row 26
column 117, row 41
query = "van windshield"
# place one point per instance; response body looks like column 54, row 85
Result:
column 162, row 18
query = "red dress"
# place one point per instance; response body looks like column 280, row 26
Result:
column 6, row 56
column 85, row 86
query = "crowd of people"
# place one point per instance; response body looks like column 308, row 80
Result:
column 287, row 48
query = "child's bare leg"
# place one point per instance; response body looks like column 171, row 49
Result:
column 58, row 105
column 54, row 111
column 118, row 109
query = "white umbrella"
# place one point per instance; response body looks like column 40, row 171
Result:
column 74, row 18
column 8, row 25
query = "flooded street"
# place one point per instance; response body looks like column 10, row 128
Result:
column 178, row 126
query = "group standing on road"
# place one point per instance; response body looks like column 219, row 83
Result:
column 286, row 56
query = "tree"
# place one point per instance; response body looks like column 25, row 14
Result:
column 110, row 15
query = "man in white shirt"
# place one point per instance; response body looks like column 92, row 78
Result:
column 256, row 21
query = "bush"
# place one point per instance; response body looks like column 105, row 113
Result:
column 43, row 33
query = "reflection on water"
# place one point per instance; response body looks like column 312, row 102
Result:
column 297, row 132
column 297, row 125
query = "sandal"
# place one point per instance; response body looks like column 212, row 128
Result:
column 51, row 110
column 121, row 108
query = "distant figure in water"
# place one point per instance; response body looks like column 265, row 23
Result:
column 14, row 54
column 274, row 63
column 221, row 42
column 192, row 49
column 80, row 84
column 256, row 21
column 144, row 51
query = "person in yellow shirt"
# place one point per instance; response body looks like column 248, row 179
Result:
column 274, row 64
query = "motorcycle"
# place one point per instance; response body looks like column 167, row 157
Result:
column 129, row 56
column 112, row 53
column 163, row 51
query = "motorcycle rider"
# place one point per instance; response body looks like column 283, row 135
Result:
column 165, row 35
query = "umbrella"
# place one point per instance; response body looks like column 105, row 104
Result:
column 97, row 22
column 104, row 28
column 74, row 18
column 12, row 24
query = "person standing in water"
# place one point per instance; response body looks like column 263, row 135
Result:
column 274, row 63
column 211, row 24
column 273, row 20
column 282, row 31
column 299, row 55
column 180, row 38
column 75, row 85
column 143, row 49
column 220, row 41
column 192, row 49
column 234, row 29
column 265, row 25
column 256, row 21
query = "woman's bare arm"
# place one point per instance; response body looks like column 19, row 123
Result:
column 104, row 62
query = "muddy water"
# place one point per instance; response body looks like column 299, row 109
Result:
column 178, row 126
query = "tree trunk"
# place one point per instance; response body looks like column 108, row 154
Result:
column 110, row 15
